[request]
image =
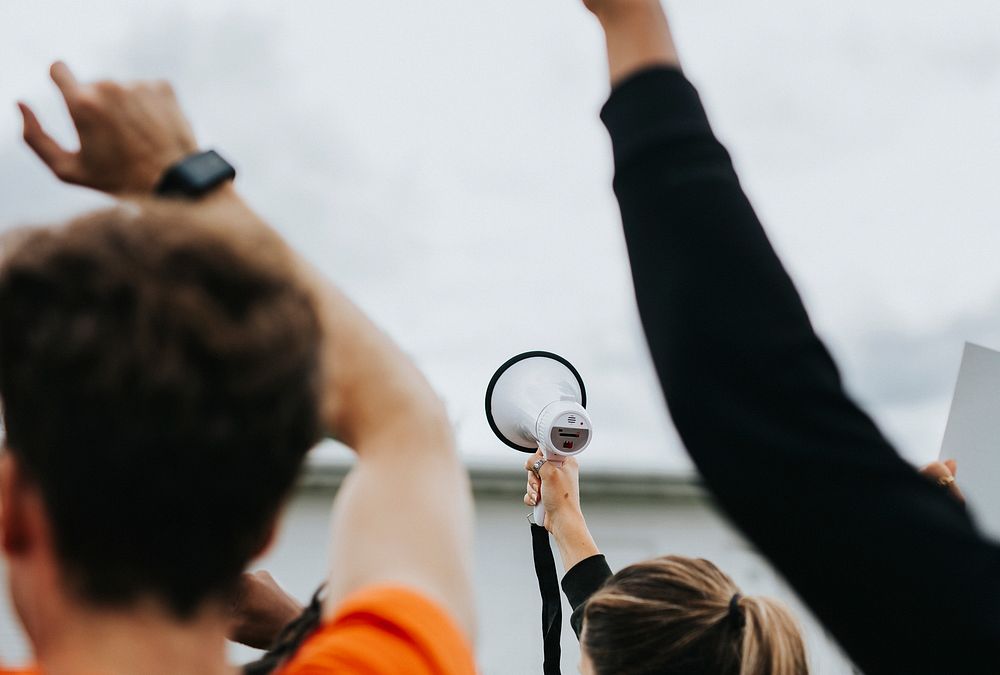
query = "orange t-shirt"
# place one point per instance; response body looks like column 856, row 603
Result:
column 386, row 630
column 381, row 630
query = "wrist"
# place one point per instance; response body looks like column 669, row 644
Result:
column 567, row 523
column 194, row 175
column 637, row 35
column 573, row 539
column 158, row 166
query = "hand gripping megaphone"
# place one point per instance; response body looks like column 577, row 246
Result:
column 537, row 401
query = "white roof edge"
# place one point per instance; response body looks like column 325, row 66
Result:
column 486, row 480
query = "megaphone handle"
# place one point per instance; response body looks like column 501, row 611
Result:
column 538, row 514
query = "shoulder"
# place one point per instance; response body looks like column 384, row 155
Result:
column 386, row 629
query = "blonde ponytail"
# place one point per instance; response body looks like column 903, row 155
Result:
column 772, row 641
column 676, row 614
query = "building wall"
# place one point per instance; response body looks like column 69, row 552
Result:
column 632, row 518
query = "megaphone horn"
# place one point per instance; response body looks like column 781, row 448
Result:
column 537, row 401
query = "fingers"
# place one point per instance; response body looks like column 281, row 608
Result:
column 549, row 468
column 935, row 470
column 943, row 474
column 58, row 159
column 532, row 489
column 65, row 80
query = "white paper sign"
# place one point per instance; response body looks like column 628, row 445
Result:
column 972, row 436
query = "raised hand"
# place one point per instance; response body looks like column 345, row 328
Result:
column 260, row 610
column 561, row 495
column 129, row 134
column 558, row 485
column 944, row 473
column 637, row 35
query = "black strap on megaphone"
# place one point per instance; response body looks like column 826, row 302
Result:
column 548, row 585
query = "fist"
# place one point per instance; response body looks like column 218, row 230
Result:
column 557, row 485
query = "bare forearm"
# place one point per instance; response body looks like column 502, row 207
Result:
column 637, row 35
column 574, row 541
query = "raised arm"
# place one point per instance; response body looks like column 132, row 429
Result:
column 759, row 403
column 586, row 570
column 404, row 514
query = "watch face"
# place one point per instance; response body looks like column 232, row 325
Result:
column 196, row 174
column 206, row 170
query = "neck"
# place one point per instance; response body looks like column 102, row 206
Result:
column 143, row 639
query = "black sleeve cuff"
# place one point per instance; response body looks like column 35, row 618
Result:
column 654, row 104
column 584, row 579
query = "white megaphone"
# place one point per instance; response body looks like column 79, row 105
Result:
column 536, row 401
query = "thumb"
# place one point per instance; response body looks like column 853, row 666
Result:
column 550, row 469
column 952, row 466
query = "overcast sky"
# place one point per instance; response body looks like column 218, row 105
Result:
column 444, row 163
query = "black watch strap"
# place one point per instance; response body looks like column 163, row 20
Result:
column 196, row 175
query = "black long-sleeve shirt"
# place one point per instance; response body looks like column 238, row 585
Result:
column 887, row 561
column 580, row 582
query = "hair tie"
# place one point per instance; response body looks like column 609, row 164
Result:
column 735, row 612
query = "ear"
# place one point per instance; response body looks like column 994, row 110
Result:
column 15, row 535
column 267, row 540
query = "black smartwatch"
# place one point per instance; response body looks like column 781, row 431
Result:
column 195, row 175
